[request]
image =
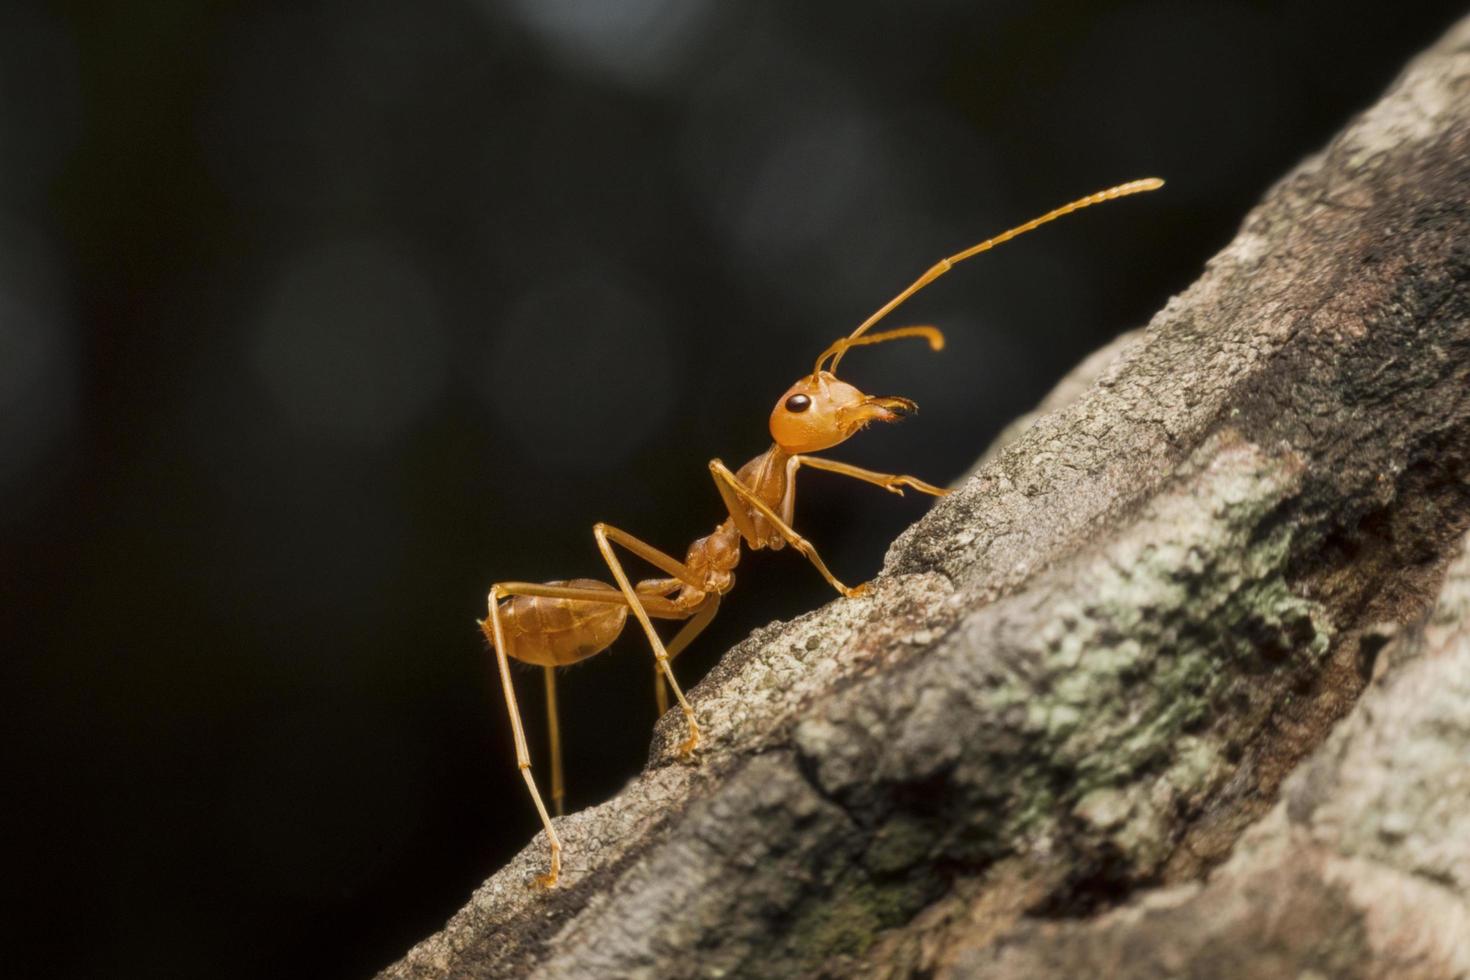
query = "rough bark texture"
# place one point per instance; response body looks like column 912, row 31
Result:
column 1085, row 674
column 1362, row 870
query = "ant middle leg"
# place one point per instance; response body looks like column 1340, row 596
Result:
column 606, row 535
column 702, row 616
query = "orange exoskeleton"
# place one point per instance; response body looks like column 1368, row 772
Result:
column 558, row 623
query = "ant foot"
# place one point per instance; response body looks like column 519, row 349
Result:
column 686, row 747
column 546, row 882
column 858, row 591
column 928, row 488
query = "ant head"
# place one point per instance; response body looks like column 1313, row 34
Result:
column 819, row 411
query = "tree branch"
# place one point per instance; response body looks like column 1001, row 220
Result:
column 1089, row 670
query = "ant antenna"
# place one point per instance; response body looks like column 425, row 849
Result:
column 931, row 334
column 944, row 265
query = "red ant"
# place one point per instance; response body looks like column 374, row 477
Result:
column 559, row 623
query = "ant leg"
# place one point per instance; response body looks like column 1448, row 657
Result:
column 656, row 606
column 737, row 496
column 888, row 481
column 553, row 729
column 523, row 754
column 680, row 572
column 603, row 533
column 731, row 496
column 682, row 639
column 658, row 559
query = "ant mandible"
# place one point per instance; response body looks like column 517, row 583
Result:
column 558, row 623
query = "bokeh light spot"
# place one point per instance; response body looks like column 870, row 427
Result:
column 40, row 99
column 35, row 385
column 350, row 345
column 582, row 372
column 38, row 371
column 635, row 41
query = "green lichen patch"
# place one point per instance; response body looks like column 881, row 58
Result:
column 1123, row 699
column 1093, row 724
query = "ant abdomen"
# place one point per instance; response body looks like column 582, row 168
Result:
column 557, row 632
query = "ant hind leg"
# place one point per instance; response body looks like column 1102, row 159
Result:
column 523, row 754
column 553, row 732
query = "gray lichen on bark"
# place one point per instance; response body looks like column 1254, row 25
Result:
column 1086, row 672
column 1362, row 870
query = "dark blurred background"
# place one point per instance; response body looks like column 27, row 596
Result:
column 318, row 318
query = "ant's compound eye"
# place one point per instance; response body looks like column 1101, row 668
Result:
column 798, row 403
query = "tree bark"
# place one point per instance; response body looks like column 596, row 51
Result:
column 1081, row 677
column 1361, row 871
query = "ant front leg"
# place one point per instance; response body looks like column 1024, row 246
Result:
column 605, row 535
column 893, row 483
column 737, row 497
